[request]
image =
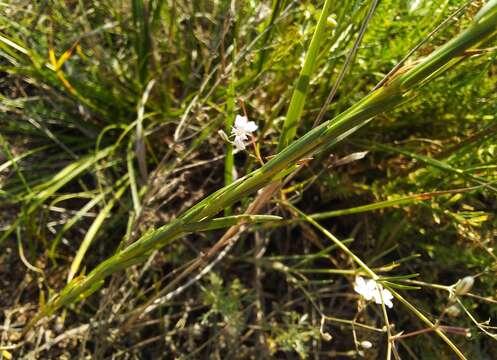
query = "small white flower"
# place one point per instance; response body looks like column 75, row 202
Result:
column 365, row 288
column 371, row 290
column 241, row 130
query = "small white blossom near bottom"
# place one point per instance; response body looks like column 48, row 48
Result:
column 371, row 290
column 241, row 130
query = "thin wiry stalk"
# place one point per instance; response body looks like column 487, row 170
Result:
column 348, row 61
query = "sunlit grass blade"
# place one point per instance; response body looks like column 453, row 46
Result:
column 93, row 231
column 299, row 94
column 405, row 200
column 43, row 191
column 229, row 161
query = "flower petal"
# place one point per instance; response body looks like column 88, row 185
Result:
column 369, row 289
column 250, row 126
column 382, row 295
column 239, row 144
column 240, row 121
column 363, row 288
column 388, row 303
column 359, row 285
column 239, row 133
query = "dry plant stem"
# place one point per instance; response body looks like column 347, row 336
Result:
column 352, row 323
column 423, row 318
column 478, row 324
column 448, row 329
column 390, row 347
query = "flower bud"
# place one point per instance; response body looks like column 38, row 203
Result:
column 330, row 20
column 366, row 344
column 453, row 311
column 464, row 285
column 223, row 136
column 326, row 336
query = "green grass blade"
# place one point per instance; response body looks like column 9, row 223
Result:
column 92, row 233
column 299, row 95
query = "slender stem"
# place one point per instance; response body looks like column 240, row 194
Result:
column 423, row 318
column 347, row 63
column 337, row 242
column 302, row 86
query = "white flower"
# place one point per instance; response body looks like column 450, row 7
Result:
column 242, row 128
column 371, row 290
column 365, row 288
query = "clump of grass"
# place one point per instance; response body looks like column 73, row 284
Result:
column 111, row 132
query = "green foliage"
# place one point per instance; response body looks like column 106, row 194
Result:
column 112, row 176
column 226, row 302
column 294, row 334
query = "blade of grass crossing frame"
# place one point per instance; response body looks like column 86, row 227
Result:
column 405, row 200
column 299, row 95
